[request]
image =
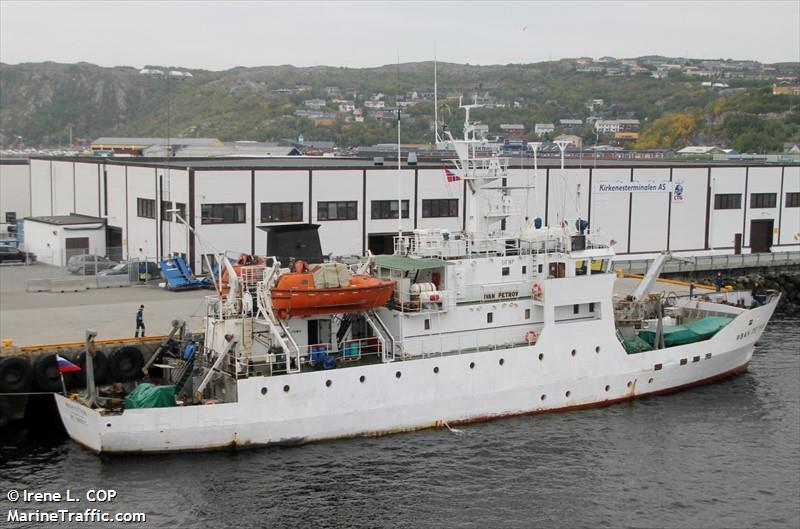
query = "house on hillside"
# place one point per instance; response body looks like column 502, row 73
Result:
column 700, row 150
column 570, row 124
column 540, row 129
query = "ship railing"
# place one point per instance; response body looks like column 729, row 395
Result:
column 223, row 308
column 322, row 356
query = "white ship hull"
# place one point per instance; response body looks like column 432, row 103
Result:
column 466, row 387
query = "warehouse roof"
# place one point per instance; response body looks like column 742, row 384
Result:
column 67, row 220
column 109, row 140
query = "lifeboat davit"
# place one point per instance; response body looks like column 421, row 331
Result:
column 327, row 288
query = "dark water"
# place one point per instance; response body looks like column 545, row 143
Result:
column 724, row 455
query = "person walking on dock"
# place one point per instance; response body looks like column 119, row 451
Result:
column 140, row 321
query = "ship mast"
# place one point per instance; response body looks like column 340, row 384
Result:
column 486, row 206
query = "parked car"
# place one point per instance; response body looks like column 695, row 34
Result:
column 89, row 264
column 10, row 254
column 151, row 270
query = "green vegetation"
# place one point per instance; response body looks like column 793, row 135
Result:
column 40, row 103
column 753, row 121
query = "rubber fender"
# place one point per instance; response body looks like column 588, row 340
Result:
column 45, row 373
column 16, row 375
column 126, row 364
column 100, row 363
column 5, row 411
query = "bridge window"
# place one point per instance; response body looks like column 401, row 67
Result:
column 489, row 317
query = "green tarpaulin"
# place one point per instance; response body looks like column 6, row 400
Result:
column 636, row 345
column 688, row 332
column 150, row 396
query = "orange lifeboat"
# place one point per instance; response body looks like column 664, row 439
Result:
column 327, row 288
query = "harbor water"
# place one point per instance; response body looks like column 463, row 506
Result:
column 724, row 455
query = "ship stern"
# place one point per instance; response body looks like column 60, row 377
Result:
column 82, row 423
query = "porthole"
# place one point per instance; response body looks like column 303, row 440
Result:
column 543, row 396
column 573, row 352
column 630, row 383
column 472, row 365
column 328, row 383
column 683, row 361
column 608, row 387
column 108, row 425
column 597, row 349
column 657, row 367
column 362, row 378
column 650, row 381
column 708, row 355
column 568, row 393
column 263, row 391
column 436, row 369
column 398, row 374
column 286, row 388
column 541, row 356
column 502, row 361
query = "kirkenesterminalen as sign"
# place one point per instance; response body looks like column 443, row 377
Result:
column 633, row 187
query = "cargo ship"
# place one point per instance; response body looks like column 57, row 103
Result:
column 459, row 327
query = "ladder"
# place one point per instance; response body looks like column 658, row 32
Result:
column 389, row 346
column 279, row 331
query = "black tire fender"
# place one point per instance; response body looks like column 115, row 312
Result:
column 126, row 363
column 16, row 375
column 100, row 363
column 5, row 411
column 45, row 373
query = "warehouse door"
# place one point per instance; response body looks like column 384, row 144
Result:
column 114, row 243
column 76, row 246
column 761, row 235
column 381, row 243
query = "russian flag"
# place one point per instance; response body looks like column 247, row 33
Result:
column 65, row 366
column 451, row 176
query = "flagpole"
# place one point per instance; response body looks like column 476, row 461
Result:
column 63, row 386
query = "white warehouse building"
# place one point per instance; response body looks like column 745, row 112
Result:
column 690, row 208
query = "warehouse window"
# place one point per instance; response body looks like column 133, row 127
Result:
column 763, row 200
column 166, row 205
column 793, row 200
column 11, row 217
column 337, row 210
column 440, row 207
column 146, row 208
column 281, row 212
column 223, row 213
column 387, row 209
column 728, row 201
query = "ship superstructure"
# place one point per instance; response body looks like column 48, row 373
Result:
column 478, row 324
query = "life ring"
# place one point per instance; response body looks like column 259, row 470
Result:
column 537, row 290
column 126, row 363
column 531, row 337
column 100, row 363
column 16, row 375
column 46, row 374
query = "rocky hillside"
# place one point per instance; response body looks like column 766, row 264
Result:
column 41, row 103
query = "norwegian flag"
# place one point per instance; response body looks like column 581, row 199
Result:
column 451, row 176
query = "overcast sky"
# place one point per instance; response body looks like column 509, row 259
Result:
column 217, row 35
